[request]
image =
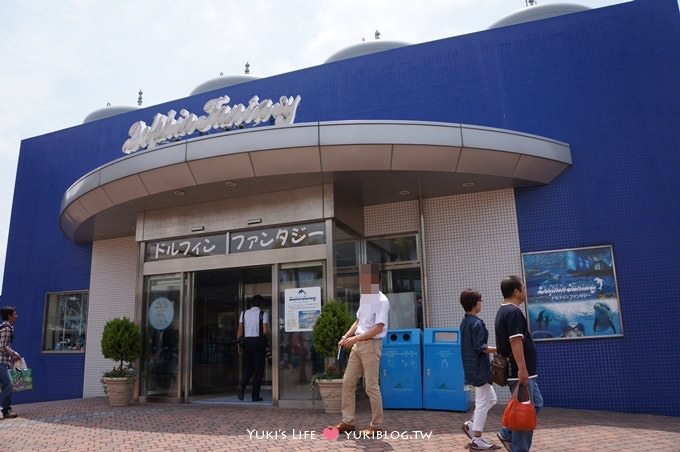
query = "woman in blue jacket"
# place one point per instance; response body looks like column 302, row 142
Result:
column 475, row 353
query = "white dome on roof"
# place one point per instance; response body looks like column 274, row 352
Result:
column 222, row 81
column 365, row 48
column 537, row 12
column 107, row 112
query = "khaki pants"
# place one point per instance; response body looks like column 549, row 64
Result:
column 365, row 358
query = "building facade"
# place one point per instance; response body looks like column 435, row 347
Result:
column 451, row 163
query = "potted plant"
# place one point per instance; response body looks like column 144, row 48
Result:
column 121, row 342
column 333, row 321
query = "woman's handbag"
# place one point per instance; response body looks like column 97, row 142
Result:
column 22, row 376
column 499, row 369
column 520, row 416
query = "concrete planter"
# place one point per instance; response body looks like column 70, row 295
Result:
column 331, row 395
column 119, row 390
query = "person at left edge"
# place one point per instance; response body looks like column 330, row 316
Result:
column 254, row 348
column 7, row 357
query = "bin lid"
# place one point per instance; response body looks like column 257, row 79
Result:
column 398, row 337
column 442, row 336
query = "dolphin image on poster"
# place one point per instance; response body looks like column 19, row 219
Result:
column 603, row 317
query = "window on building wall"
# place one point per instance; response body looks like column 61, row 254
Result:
column 347, row 252
column 65, row 327
column 400, row 278
column 391, row 250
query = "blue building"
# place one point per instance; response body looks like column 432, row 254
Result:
column 451, row 163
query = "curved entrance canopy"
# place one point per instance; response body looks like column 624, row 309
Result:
column 377, row 161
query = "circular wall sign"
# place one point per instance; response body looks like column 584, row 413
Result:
column 161, row 313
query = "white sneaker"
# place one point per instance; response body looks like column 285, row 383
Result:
column 480, row 443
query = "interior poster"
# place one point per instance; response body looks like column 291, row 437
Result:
column 572, row 294
column 302, row 307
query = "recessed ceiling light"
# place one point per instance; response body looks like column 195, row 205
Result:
column 179, row 192
column 468, row 184
column 404, row 192
column 230, row 183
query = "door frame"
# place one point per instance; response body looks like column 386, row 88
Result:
column 187, row 267
column 188, row 326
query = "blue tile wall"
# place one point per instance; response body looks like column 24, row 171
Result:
column 40, row 259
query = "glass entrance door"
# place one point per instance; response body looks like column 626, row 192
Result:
column 219, row 297
column 216, row 304
column 161, row 349
column 297, row 359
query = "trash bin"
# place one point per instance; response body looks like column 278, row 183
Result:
column 401, row 369
column 443, row 376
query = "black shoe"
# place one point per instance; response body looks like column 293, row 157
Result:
column 506, row 442
column 9, row 414
column 239, row 392
column 257, row 399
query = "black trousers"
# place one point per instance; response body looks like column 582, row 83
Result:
column 254, row 351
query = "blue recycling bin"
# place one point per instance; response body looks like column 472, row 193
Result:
column 401, row 369
column 443, row 376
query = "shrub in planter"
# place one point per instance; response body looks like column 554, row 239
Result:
column 121, row 342
column 333, row 321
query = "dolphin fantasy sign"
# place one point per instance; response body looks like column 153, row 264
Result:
column 220, row 116
column 572, row 293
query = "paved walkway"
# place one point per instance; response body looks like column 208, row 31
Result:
column 92, row 425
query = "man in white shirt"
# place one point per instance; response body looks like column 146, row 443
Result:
column 365, row 337
column 254, row 346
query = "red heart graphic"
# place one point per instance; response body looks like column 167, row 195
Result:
column 331, row 433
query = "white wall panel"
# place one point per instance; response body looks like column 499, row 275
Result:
column 113, row 282
column 471, row 241
column 389, row 219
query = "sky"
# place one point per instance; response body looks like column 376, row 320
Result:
column 61, row 60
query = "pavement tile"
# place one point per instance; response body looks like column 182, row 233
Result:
column 83, row 425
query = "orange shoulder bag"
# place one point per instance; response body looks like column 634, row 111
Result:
column 520, row 416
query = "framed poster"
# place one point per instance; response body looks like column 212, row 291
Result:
column 302, row 307
column 572, row 293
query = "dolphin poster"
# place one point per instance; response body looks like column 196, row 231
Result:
column 572, row 294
